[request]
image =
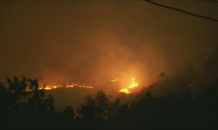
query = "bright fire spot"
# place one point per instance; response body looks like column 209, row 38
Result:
column 132, row 85
column 66, row 85
column 47, row 88
column 60, row 86
column 69, row 86
column 125, row 90
column 89, row 87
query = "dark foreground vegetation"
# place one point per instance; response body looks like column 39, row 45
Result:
column 22, row 109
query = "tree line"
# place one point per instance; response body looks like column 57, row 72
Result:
column 22, row 109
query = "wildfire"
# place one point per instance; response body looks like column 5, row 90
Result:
column 47, row 88
column 67, row 86
column 132, row 85
column 89, row 87
column 59, row 86
column 125, row 90
column 53, row 87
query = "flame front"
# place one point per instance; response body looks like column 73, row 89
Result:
column 132, row 85
column 47, row 88
column 125, row 90
column 67, row 86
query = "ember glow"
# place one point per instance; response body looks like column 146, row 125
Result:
column 131, row 86
column 47, row 88
column 66, row 86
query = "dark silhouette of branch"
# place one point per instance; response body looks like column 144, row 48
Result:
column 183, row 11
column 212, row 1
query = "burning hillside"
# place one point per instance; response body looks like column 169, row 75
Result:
column 132, row 84
column 46, row 87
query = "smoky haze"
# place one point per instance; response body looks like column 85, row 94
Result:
column 95, row 42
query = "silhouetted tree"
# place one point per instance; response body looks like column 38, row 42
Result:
column 88, row 109
column 69, row 112
column 94, row 108
column 122, row 117
column 113, row 108
column 102, row 103
column 123, row 112
column 148, row 112
column 25, row 101
column 162, row 74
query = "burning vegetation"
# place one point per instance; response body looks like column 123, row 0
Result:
column 45, row 87
column 168, row 103
column 132, row 85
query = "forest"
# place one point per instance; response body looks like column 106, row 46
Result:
column 22, row 109
column 187, row 100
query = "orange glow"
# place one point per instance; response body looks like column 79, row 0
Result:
column 61, row 86
column 89, row 87
column 28, row 90
column 132, row 85
column 40, row 88
column 114, row 80
column 47, row 88
column 67, row 86
column 125, row 90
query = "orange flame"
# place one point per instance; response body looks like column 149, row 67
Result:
column 59, row 86
column 89, row 87
column 132, row 85
column 47, row 88
column 125, row 90
column 67, row 86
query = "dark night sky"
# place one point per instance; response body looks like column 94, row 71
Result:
column 59, row 41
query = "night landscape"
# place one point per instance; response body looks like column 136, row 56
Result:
column 110, row 65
